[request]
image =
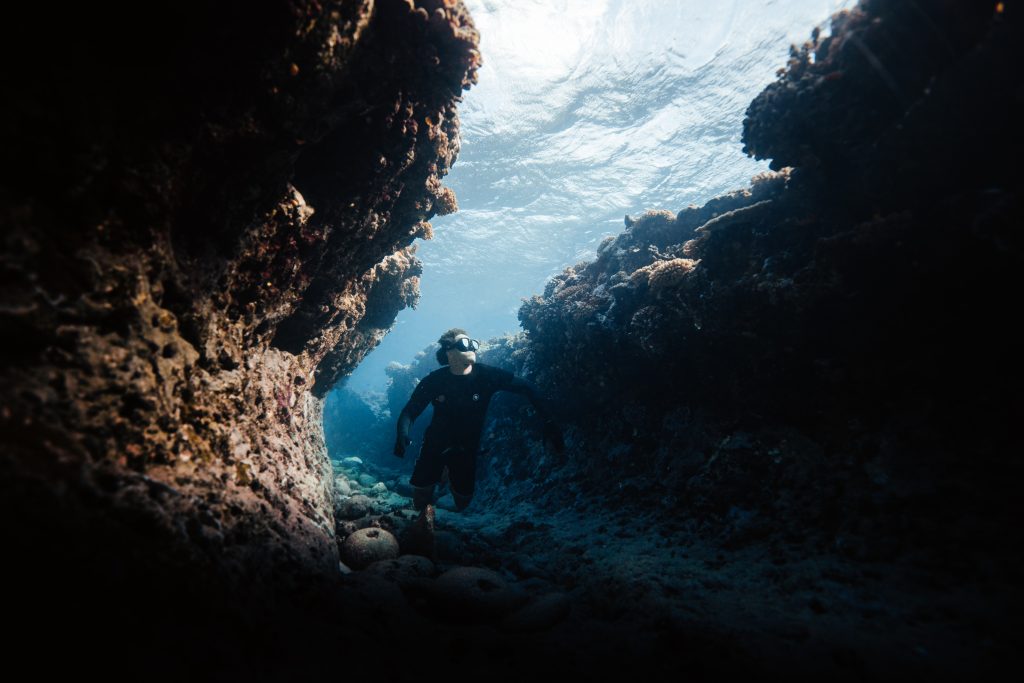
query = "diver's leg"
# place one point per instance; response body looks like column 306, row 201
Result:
column 425, row 475
column 461, row 501
column 422, row 496
column 462, row 478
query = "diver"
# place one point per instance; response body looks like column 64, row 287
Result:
column 460, row 391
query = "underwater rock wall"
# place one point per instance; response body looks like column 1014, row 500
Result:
column 207, row 222
column 826, row 357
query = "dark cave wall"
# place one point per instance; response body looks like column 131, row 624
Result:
column 206, row 224
column 827, row 357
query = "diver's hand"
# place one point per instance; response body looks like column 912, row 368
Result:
column 400, row 444
column 553, row 436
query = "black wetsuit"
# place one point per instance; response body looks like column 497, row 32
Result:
column 460, row 406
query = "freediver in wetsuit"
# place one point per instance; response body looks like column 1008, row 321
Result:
column 460, row 392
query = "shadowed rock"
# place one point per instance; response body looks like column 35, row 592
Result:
column 473, row 593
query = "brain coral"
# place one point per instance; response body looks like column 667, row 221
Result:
column 666, row 273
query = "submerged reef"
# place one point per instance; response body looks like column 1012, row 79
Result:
column 790, row 413
column 823, row 365
column 831, row 346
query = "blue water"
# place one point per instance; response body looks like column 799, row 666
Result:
column 586, row 110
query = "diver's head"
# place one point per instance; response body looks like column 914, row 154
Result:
column 457, row 350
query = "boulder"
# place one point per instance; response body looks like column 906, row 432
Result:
column 449, row 547
column 473, row 593
column 366, row 546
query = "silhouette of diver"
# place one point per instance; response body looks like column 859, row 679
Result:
column 460, row 391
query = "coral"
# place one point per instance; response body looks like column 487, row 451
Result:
column 664, row 274
column 445, row 203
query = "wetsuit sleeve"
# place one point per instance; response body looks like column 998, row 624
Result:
column 421, row 396
column 506, row 381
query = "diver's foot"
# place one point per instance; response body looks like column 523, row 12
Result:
column 429, row 513
column 419, row 539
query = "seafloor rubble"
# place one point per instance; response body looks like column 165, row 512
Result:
column 790, row 412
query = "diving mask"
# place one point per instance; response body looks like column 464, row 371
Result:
column 464, row 344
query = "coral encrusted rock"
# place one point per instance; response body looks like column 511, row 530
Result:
column 208, row 220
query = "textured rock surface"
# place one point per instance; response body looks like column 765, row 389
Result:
column 366, row 546
column 206, row 224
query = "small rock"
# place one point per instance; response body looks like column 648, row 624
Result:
column 523, row 566
column 366, row 546
column 366, row 480
column 352, row 461
column 343, row 528
column 474, row 593
column 403, row 570
column 342, row 486
column 386, row 522
column 353, row 508
column 370, row 594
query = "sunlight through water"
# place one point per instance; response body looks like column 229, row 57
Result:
column 586, row 110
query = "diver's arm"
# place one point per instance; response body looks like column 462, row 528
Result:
column 552, row 432
column 518, row 385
